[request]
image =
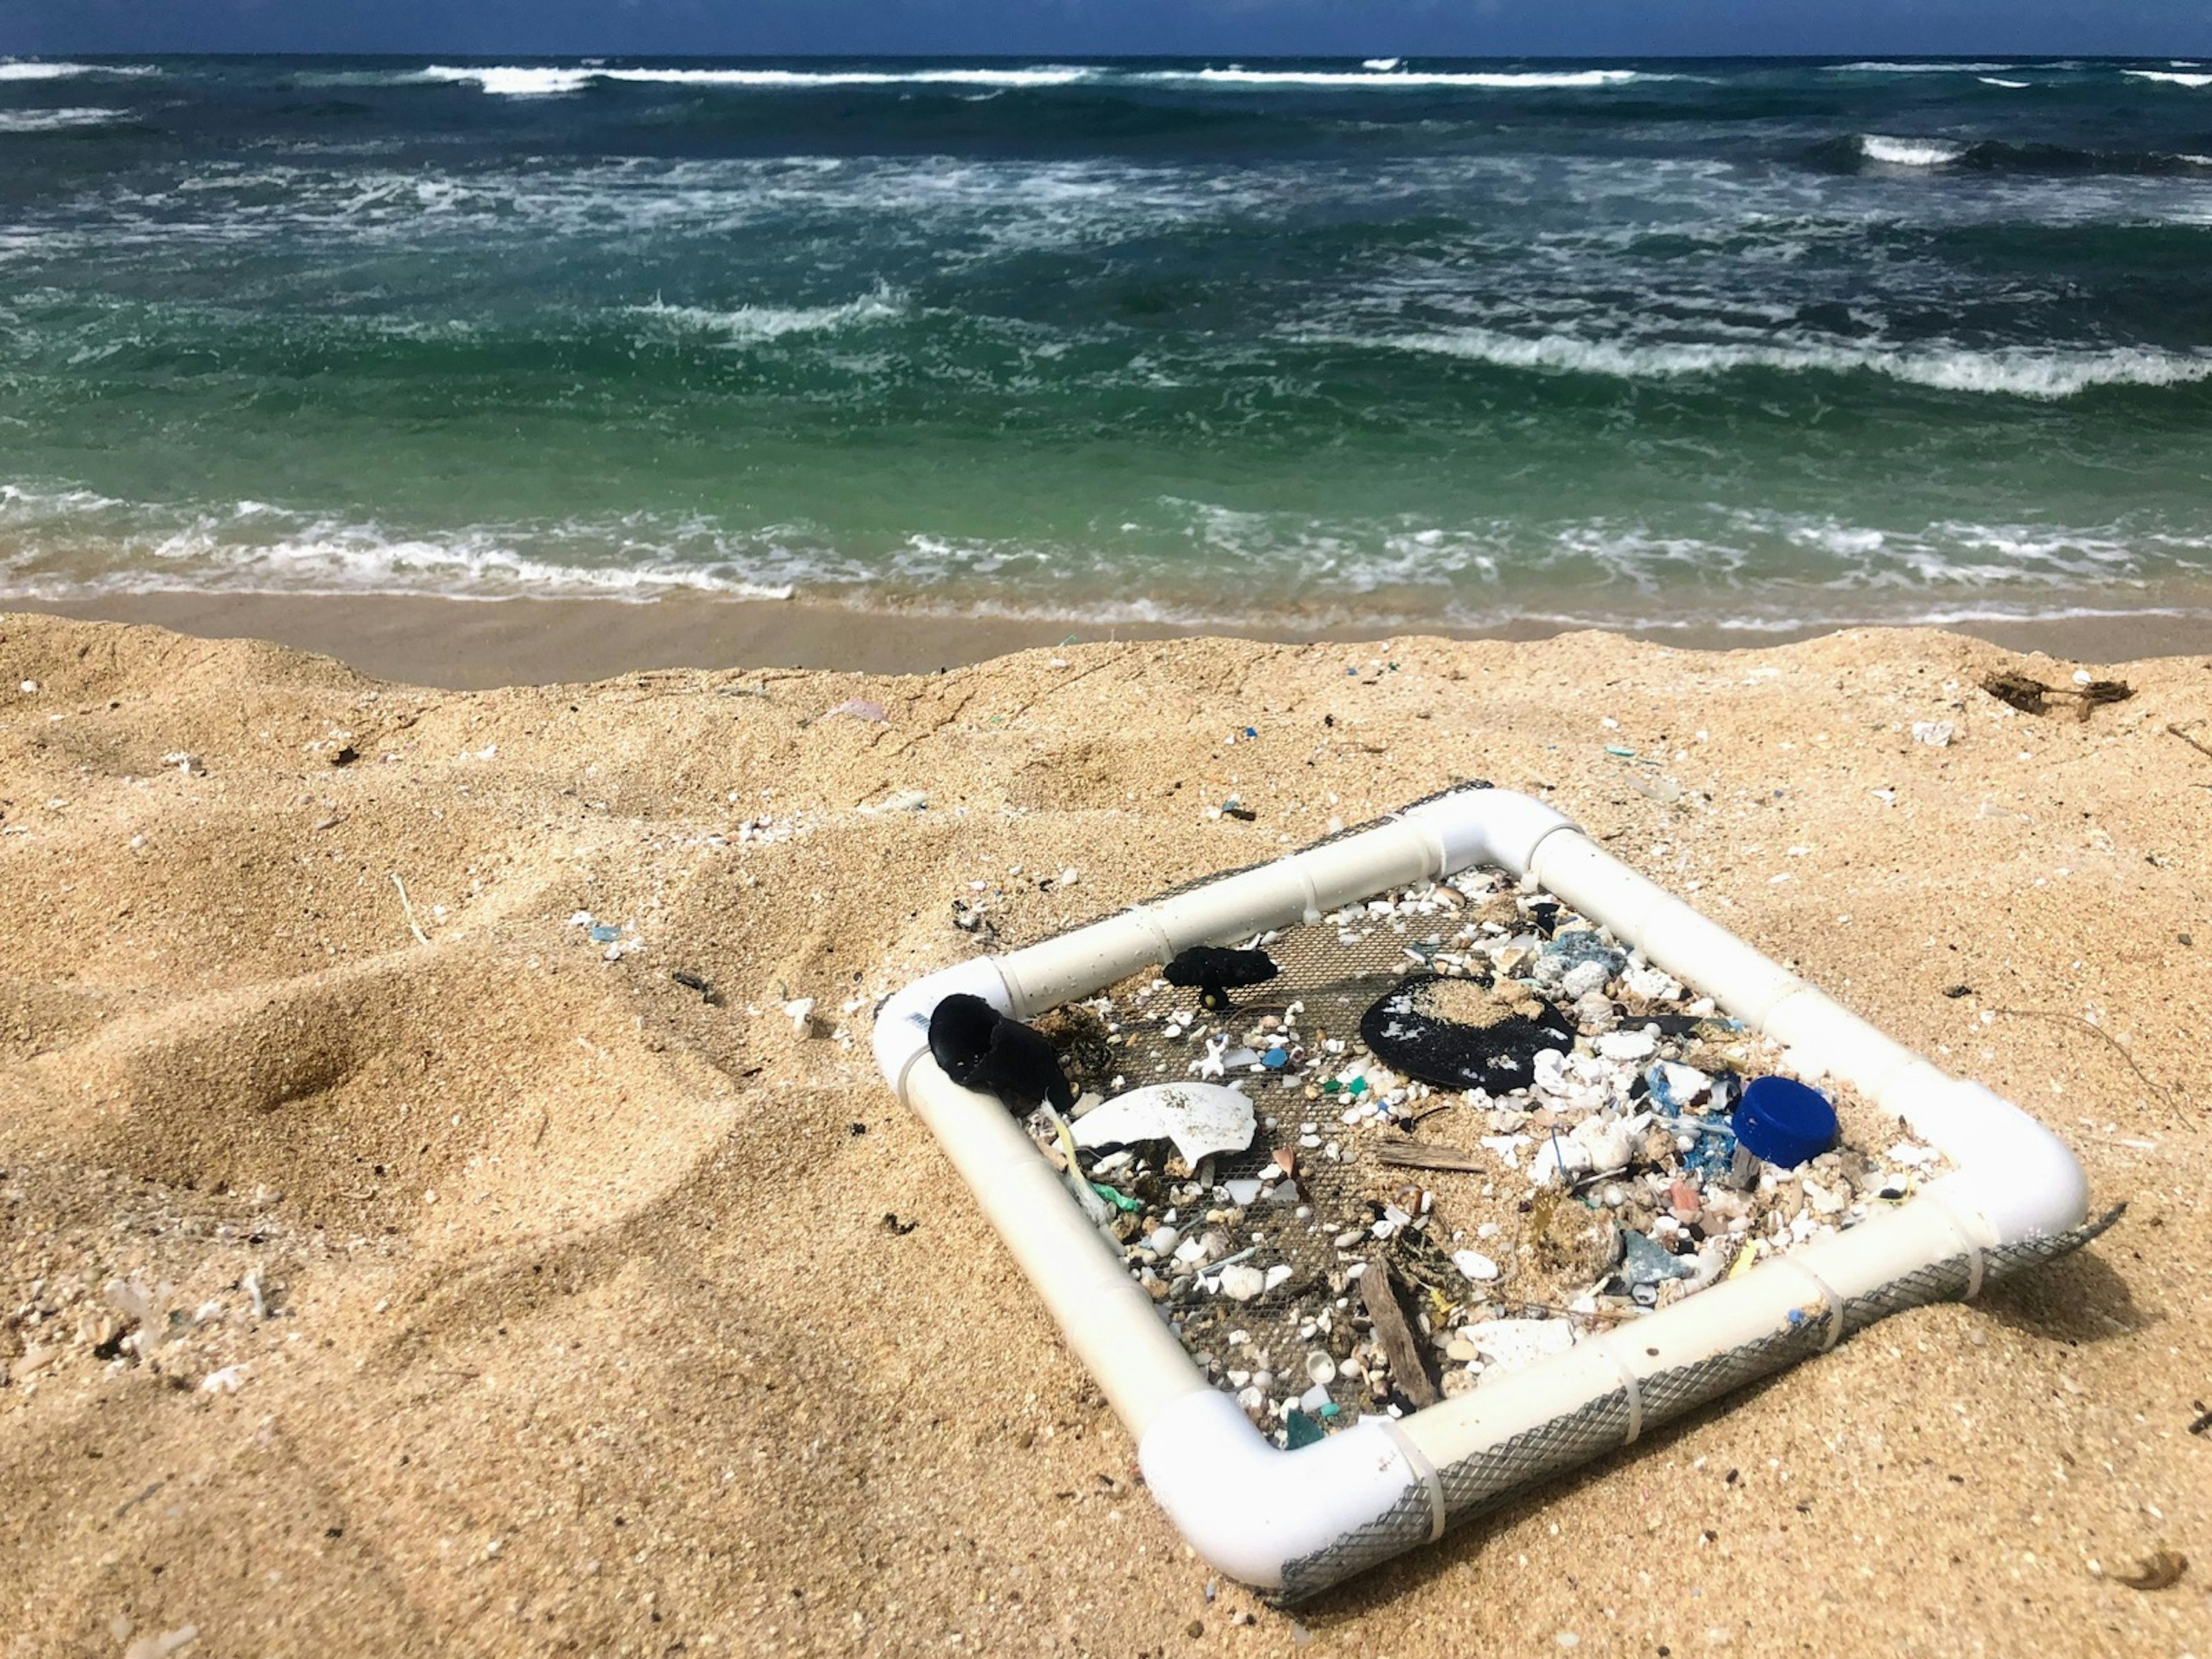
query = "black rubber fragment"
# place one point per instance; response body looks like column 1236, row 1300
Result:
column 1498, row 1054
column 979, row 1047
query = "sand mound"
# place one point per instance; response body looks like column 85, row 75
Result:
column 505, row 1292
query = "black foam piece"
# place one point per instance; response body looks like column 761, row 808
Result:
column 1213, row 966
column 1498, row 1054
column 979, row 1047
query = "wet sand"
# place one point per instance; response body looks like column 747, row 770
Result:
column 477, row 644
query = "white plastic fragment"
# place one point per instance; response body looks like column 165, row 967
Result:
column 1936, row 734
column 1475, row 1265
column 1201, row 1119
column 1242, row 1282
column 1628, row 1045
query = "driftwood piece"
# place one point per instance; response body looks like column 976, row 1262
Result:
column 1411, row 1155
column 1409, row 1369
column 2176, row 732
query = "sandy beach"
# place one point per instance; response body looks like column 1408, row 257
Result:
column 509, row 1299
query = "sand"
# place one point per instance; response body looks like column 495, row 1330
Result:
column 584, row 1329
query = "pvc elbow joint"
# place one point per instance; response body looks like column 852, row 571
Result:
column 1500, row 827
column 1254, row 1510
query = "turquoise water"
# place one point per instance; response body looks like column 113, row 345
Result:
column 1752, row 342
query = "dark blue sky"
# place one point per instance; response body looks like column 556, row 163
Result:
column 1253, row 27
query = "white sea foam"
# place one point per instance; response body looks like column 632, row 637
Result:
column 1381, row 66
column 2171, row 77
column 51, row 546
column 56, row 120
column 746, row 325
column 1398, row 79
column 2047, row 374
column 1910, row 152
column 1743, row 567
column 1995, row 81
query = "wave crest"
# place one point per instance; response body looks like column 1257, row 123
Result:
column 2047, row 375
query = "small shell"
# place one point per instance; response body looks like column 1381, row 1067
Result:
column 1320, row 1368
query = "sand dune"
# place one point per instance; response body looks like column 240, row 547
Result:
column 582, row 1327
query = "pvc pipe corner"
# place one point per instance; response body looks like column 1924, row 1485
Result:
column 1251, row 1510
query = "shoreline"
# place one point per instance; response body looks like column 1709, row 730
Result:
column 477, row 644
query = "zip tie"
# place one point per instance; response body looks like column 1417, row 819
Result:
column 1628, row 1384
column 1975, row 1262
column 1434, row 836
column 1424, row 1471
column 1152, row 923
column 1829, row 1299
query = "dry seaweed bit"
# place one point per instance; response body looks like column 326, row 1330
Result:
column 1214, row 972
column 898, row 1229
column 2032, row 696
column 2162, row 1572
column 979, row 1047
column 693, row 982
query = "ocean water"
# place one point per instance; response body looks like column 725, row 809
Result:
column 1753, row 344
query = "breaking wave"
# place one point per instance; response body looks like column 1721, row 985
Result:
column 547, row 81
column 551, row 82
column 17, row 70
column 1390, row 80
column 1910, row 152
column 57, row 120
column 2171, row 76
column 1877, row 67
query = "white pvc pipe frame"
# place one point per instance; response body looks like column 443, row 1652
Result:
column 1257, row 1512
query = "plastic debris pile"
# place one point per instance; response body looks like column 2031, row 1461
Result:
column 1377, row 1240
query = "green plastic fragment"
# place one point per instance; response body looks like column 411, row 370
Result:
column 1616, row 749
column 1332, row 1409
column 1303, row 1430
column 1359, row 1085
column 1119, row 1200
column 1330, row 1086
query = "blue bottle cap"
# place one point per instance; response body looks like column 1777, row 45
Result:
column 1784, row 1122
